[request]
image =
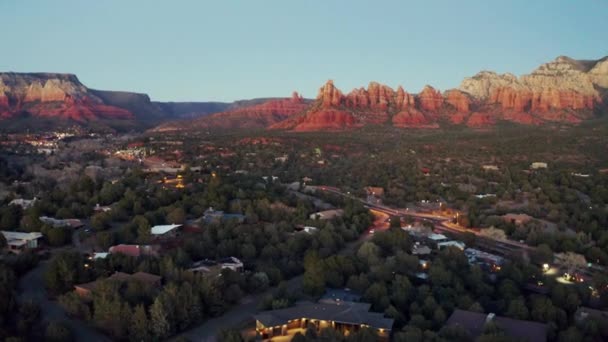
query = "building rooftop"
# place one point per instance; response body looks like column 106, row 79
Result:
column 143, row 277
column 348, row 313
column 164, row 229
column 474, row 323
column 11, row 236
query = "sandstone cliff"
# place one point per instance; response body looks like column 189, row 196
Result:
column 53, row 95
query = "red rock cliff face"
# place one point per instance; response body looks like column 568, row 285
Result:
column 252, row 117
column 378, row 104
column 53, row 95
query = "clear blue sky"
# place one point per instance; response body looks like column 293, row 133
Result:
column 228, row 49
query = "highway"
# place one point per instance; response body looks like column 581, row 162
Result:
column 440, row 222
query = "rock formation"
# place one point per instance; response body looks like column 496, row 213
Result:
column 53, row 95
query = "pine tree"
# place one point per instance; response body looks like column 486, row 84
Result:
column 139, row 331
column 160, row 323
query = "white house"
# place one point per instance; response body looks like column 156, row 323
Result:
column 18, row 242
column 458, row 244
column 23, row 203
column 164, row 229
column 538, row 165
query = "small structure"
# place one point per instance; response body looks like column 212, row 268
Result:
column 102, row 209
column 374, row 191
column 135, row 250
column 490, row 167
column 538, row 165
column 584, row 313
column 452, row 243
column 165, row 230
column 23, row 203
column 214, row 268
column 231, row 263
column 58, row 223
column 488, row 261
column 327, row 214
column 306, row 229
column 475, row 322
column 18, row 242
column 147, row 279
column 420, row 249
column 517, row 219
column 346, row 317
column 217, row 216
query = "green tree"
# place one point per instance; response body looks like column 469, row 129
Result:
column 139, row 329
column 176, row 216
column 161, row 327
column 58, row 332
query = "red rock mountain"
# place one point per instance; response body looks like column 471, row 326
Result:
column 562, row 91
column 53, row 95
column 257, row 116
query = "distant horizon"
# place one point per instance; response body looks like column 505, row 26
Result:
column 199, row 51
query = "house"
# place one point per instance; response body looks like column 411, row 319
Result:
column 231, row 263
column 475, row 322
column 374, row 191
column 65, row 223
column 452, row 243
column 18, row 242
column 168, row 230
column 217, row 216
column 345, row 317
column 306, row 229
column 135, row 250
column 211, row 267
column 101, row 209
column 420, row 249
column 486, row 260
column 147, row 279
column 517, row 219
column 434, row 239
column 538, row 165
column 327, row 214
column 23, row 203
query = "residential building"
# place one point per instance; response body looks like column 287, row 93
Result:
column 215, row 268
column 486, row 260
column 61, row 223
column 452, row 243
column 538, row 165
column 374, row 191
column 420, row 249
column 474, row 323
column 23, row 203
column 168, row 230
column 327, row 214
column 102, row 209
column 146, row 279
column 18, row 242
column 135, row 250
column 345, row 317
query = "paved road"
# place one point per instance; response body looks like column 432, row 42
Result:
column 31, row 287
